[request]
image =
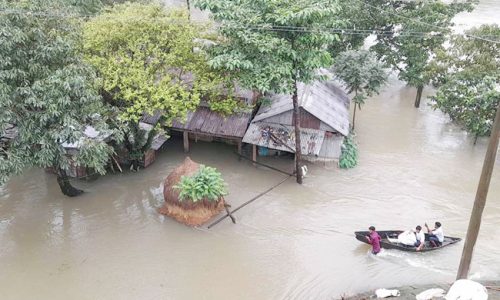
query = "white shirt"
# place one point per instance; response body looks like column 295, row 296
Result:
column 420, row 236
column 438, row 232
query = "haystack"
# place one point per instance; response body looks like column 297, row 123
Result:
column 185, row 211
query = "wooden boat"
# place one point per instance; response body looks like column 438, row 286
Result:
column 389, row 235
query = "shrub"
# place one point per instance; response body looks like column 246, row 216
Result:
column 206, row 184
column 349, row 156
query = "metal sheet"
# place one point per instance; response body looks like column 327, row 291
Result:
column 282, row 137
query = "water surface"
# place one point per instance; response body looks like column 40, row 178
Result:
column 294, row 243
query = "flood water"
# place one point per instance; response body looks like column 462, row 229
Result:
column 296, row 242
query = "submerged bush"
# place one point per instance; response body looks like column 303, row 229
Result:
column 349, row 156
column 206, row 184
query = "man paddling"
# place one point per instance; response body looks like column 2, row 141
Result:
column 436, row 235
column 374, row 240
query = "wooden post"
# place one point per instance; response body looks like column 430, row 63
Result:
column 296, row 117
column 480, row 201
column 185, row 136
column 254, row 152
column 240, row 149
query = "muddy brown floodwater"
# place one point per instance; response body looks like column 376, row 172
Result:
column 295, row 243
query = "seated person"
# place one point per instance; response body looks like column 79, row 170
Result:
column 436, row 235
column 419, row 234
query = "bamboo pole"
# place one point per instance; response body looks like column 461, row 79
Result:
column 248, row 202
column 480, row 201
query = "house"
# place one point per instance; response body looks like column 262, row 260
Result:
column 147, row 123
column 207, row 125
column 72, row 149
column 9, row 133
column 324, row 121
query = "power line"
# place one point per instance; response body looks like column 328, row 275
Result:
column 483, row 38
column 282, row 28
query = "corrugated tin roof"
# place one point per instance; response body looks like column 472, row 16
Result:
column 326, row 100
column 151, row 119
column 9, row 132
column 206, row 121
column 281, row 137
column 158, row 141
column 89, row 133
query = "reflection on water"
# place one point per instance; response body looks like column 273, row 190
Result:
column 296, row 242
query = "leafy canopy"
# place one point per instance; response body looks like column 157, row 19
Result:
column 411, row 32
column 470, row 101
column 468, row 77
column 207, row 184
column 46, row 91
column 263, row 55
column 467, row 54
column 352, row 15
column 144, row 56
column 361, row 73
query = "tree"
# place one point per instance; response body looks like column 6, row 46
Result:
column 47, row 93
column 145, row 59
column 265, row 56
column 359, row 24
column 470, row 101
column 409, row 33
column 141, row 54
column 362, row 74
column 472, row 52
column 467, row 76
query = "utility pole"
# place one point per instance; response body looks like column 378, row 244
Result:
column 480, row 201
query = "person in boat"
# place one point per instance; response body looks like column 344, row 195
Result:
column 374, row 240
column 436, row 235
column 420, row 235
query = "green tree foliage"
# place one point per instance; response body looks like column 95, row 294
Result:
column 145, row 58
column 411, row 33
column 362, row 74
column 470, row 101
column 353, row 16
column 47, row 92
column 207, row 184
column 266, row 57
column 468, row 77
column 349, row 155
column 468, row 54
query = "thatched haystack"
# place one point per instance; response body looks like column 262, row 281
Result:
column 185, row 211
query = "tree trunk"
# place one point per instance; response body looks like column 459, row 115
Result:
column 66, row 187
column 420, row 88
column 480, row 201
column 189, row 9
column 354, row 116
column 296, row 116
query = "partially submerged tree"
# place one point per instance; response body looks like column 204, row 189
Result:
column 362, row 74
column 48, row 93
column 144, row 56
column 268, row 57
column 468, row 79
column 409, row 33
column 470, row 101
column 357, row 25
column 145, row 60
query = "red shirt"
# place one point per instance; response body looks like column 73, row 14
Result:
column 375, row 242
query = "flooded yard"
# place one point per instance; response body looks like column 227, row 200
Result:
column 296, row 242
